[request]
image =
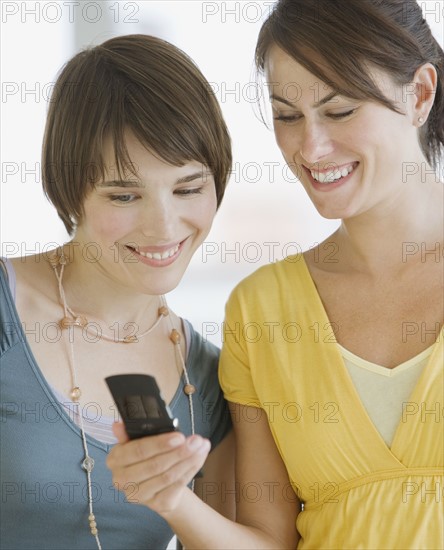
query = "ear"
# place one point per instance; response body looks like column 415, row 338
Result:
column 424, row 82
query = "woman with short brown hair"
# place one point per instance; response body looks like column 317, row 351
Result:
column 136, row 158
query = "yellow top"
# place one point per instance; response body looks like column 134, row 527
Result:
column 280, row 354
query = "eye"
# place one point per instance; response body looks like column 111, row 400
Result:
column 189, row 191
column 287, row 118
column 123, row 199
column 345, row 114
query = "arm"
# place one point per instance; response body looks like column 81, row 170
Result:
column 266, row 522
column 216, row 487
column 266, row 506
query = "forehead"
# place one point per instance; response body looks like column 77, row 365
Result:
column 277, row 60
column 145, row 166
column 289, row 78
column 282, row 69
column 138, row 153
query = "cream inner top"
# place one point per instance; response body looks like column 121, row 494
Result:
column 385, row 392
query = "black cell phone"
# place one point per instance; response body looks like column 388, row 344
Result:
column 140, row 405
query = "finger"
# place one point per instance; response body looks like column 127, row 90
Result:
column 140, row 450
column 127, row 470
column 120, row 432
column 168, row 499
column 176, row 478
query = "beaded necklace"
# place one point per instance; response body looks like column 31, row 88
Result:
column 73, row 320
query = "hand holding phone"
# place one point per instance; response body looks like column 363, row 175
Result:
column 140, row 405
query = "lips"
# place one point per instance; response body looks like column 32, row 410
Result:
column 158, row 256
column 331, row 178
column 333, row 174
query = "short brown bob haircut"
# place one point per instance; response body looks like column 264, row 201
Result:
column 339, row 40
column 138, row 83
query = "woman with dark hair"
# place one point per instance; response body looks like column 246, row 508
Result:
column 337, row 405
column 136, row 158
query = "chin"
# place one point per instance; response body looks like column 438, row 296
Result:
column 331, row 214
column 163, row 287
column 337, row 212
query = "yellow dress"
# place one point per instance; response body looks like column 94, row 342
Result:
column 280, row 354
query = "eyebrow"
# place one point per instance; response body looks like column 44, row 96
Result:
column 136, row 183
column 319, row 103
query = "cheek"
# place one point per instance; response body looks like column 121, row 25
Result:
column 279, row 136
column 202, row 215
column 205, row 219
column 286, row 140
column 109, row 224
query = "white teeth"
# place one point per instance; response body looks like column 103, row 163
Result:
column 334, row 175
column 158, row 256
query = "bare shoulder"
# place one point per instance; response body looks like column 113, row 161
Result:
column 33, row 276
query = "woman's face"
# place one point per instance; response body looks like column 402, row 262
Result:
column 148, row 227
column 348, row 154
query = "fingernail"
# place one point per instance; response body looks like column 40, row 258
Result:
column 195, row 443
column 175, row 441
column 206, row 445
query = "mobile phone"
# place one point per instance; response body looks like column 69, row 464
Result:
column 140, row 405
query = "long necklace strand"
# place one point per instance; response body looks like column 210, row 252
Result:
column 74, row 319
column 58, row 263
column 88, row 461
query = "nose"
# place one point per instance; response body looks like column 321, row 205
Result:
column 315, row 143
column 157, row 219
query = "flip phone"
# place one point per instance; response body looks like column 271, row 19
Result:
column 140, row 405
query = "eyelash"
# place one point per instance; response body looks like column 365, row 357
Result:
column 191, row 191
column 118, row 198
column 342, row 115
column 295, row 118
column 180, row 192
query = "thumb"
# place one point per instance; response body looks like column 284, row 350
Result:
column 120, row 432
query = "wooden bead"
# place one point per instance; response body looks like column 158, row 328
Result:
column 91, row 517
column 175, row 336
column 94, row 531
column 189, row 389
column 92, row 524
column 76, row 393
column 164, row 311
column 130, row 339
column 67, row 322
column 53, row 259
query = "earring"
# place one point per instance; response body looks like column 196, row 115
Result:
column 420, row 120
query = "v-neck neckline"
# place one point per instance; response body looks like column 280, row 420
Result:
column 384, row 371
column 45, row 385
column 357, row 403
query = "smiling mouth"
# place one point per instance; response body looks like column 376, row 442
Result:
column 160, row 256
column 333, row 175
column 157, row 255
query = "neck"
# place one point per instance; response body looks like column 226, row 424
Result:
column 91, row 291
column 387, row 237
